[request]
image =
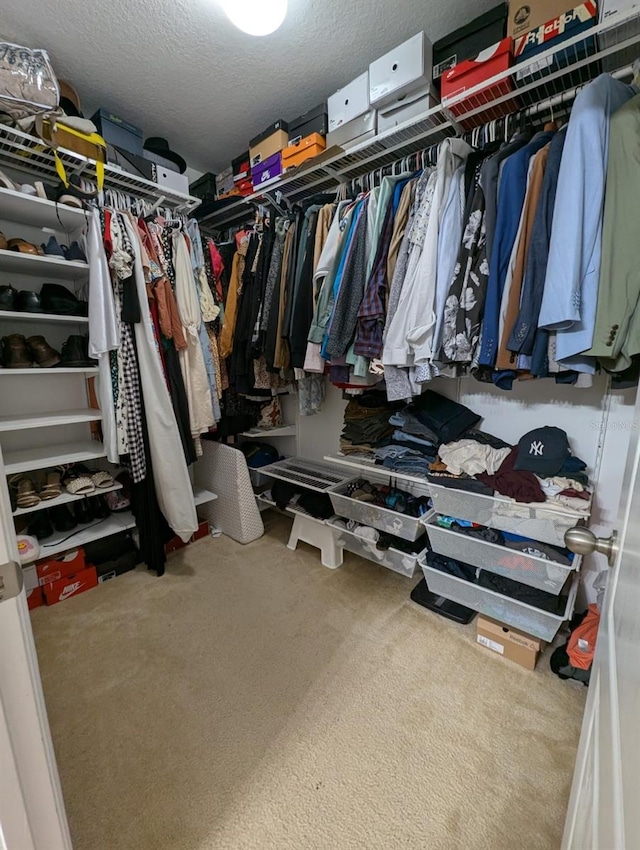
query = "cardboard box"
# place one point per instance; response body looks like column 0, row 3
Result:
column 349, row 134
column 409, row 106
column 35, row 598
column 300, row 151
column 224, row 181
column 176, row 543
column 471, row 73
column 573, row 22
column 529, row 15
column 469, row 40
column 268, row 146
column 510, row 643
column 403, row 69
column 60, row 567
column 349, row 103
column 73, row 585
column 118, row 132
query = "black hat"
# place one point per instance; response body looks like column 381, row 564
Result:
column 160, row 146
column 543, row 451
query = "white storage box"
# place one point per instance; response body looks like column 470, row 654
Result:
column 384, row 519
column 521, row 616
column 403, row 69
column 348, row 103
column 621, row 17
column 528, row 569
column 359, row 130
column 535, row 521
column 172, row 180
column 412, row 105
column 400, row 562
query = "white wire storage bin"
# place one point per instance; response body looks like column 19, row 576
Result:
column 535, row 521
column 393, row 559
column 384, row 519
column 511, row 612
column 528, row 569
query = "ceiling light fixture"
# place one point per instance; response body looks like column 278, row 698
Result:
column 256, row 17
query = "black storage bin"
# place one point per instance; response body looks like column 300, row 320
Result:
column 204, row 187
column 469, row 40
column 314, row 121
column 118, row 132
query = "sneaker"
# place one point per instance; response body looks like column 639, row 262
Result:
column 53, row 249
column 74, row 253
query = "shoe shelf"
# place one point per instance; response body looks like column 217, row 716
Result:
column 201, row 497
column 29, row 154
column 47, row 267
column 24, row 460
column 56, row 370
column 38, row 212
column 16, row 316
column 65, row 499
column 61, row 541
column 549, row 81
column 282, row 431
column 307, row 473
column 364, row 463
column 48, row 420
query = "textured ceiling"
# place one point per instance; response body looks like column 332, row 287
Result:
column 180, row 69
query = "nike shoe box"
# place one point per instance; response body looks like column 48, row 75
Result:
column 112, row 556
column 353, row 132
column 409, row 106
column 35, row 598
column 268, row 143
column 176, row 543
column 51, row 570
column 224, row 181
column 74, row 585
column 469, row 40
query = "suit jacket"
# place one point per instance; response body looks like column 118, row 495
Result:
column 616, row 336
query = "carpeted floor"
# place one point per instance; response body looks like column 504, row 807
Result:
column 254, row 700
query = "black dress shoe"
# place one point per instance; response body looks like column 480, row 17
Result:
column 61, row 518
column 7, row 297
column 75, row 352
column 40, row 526
column 82, row 512
column 58, row 299
column 28, row 302
column 99, row 507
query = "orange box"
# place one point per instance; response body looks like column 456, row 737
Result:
column 298, row 152
column 55, row 569
column 73, row 585
column 35, row 598
column 176, row 543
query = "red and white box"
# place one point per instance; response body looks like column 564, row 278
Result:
column 73, row 585
column 472, row 72
column 55, row 569
column 35, row 598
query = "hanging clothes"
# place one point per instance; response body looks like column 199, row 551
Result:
column 170, row 473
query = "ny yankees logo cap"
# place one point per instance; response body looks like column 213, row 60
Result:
column 543, row 451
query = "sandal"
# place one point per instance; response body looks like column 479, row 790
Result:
column 102, row 479
column 77, row 482
column 27, row 495
column 53, row 488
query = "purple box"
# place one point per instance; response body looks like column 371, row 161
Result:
column 268, row 171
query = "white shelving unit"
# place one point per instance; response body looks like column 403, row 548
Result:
column 26, row 460
column 37, row 212
column 268, row 433
column 60, row 541
column 65, row 499
column 48, row 420
column 13, row 262
column 201, row 496
column 56, row 370
column 13, row 316
column 612, row 45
